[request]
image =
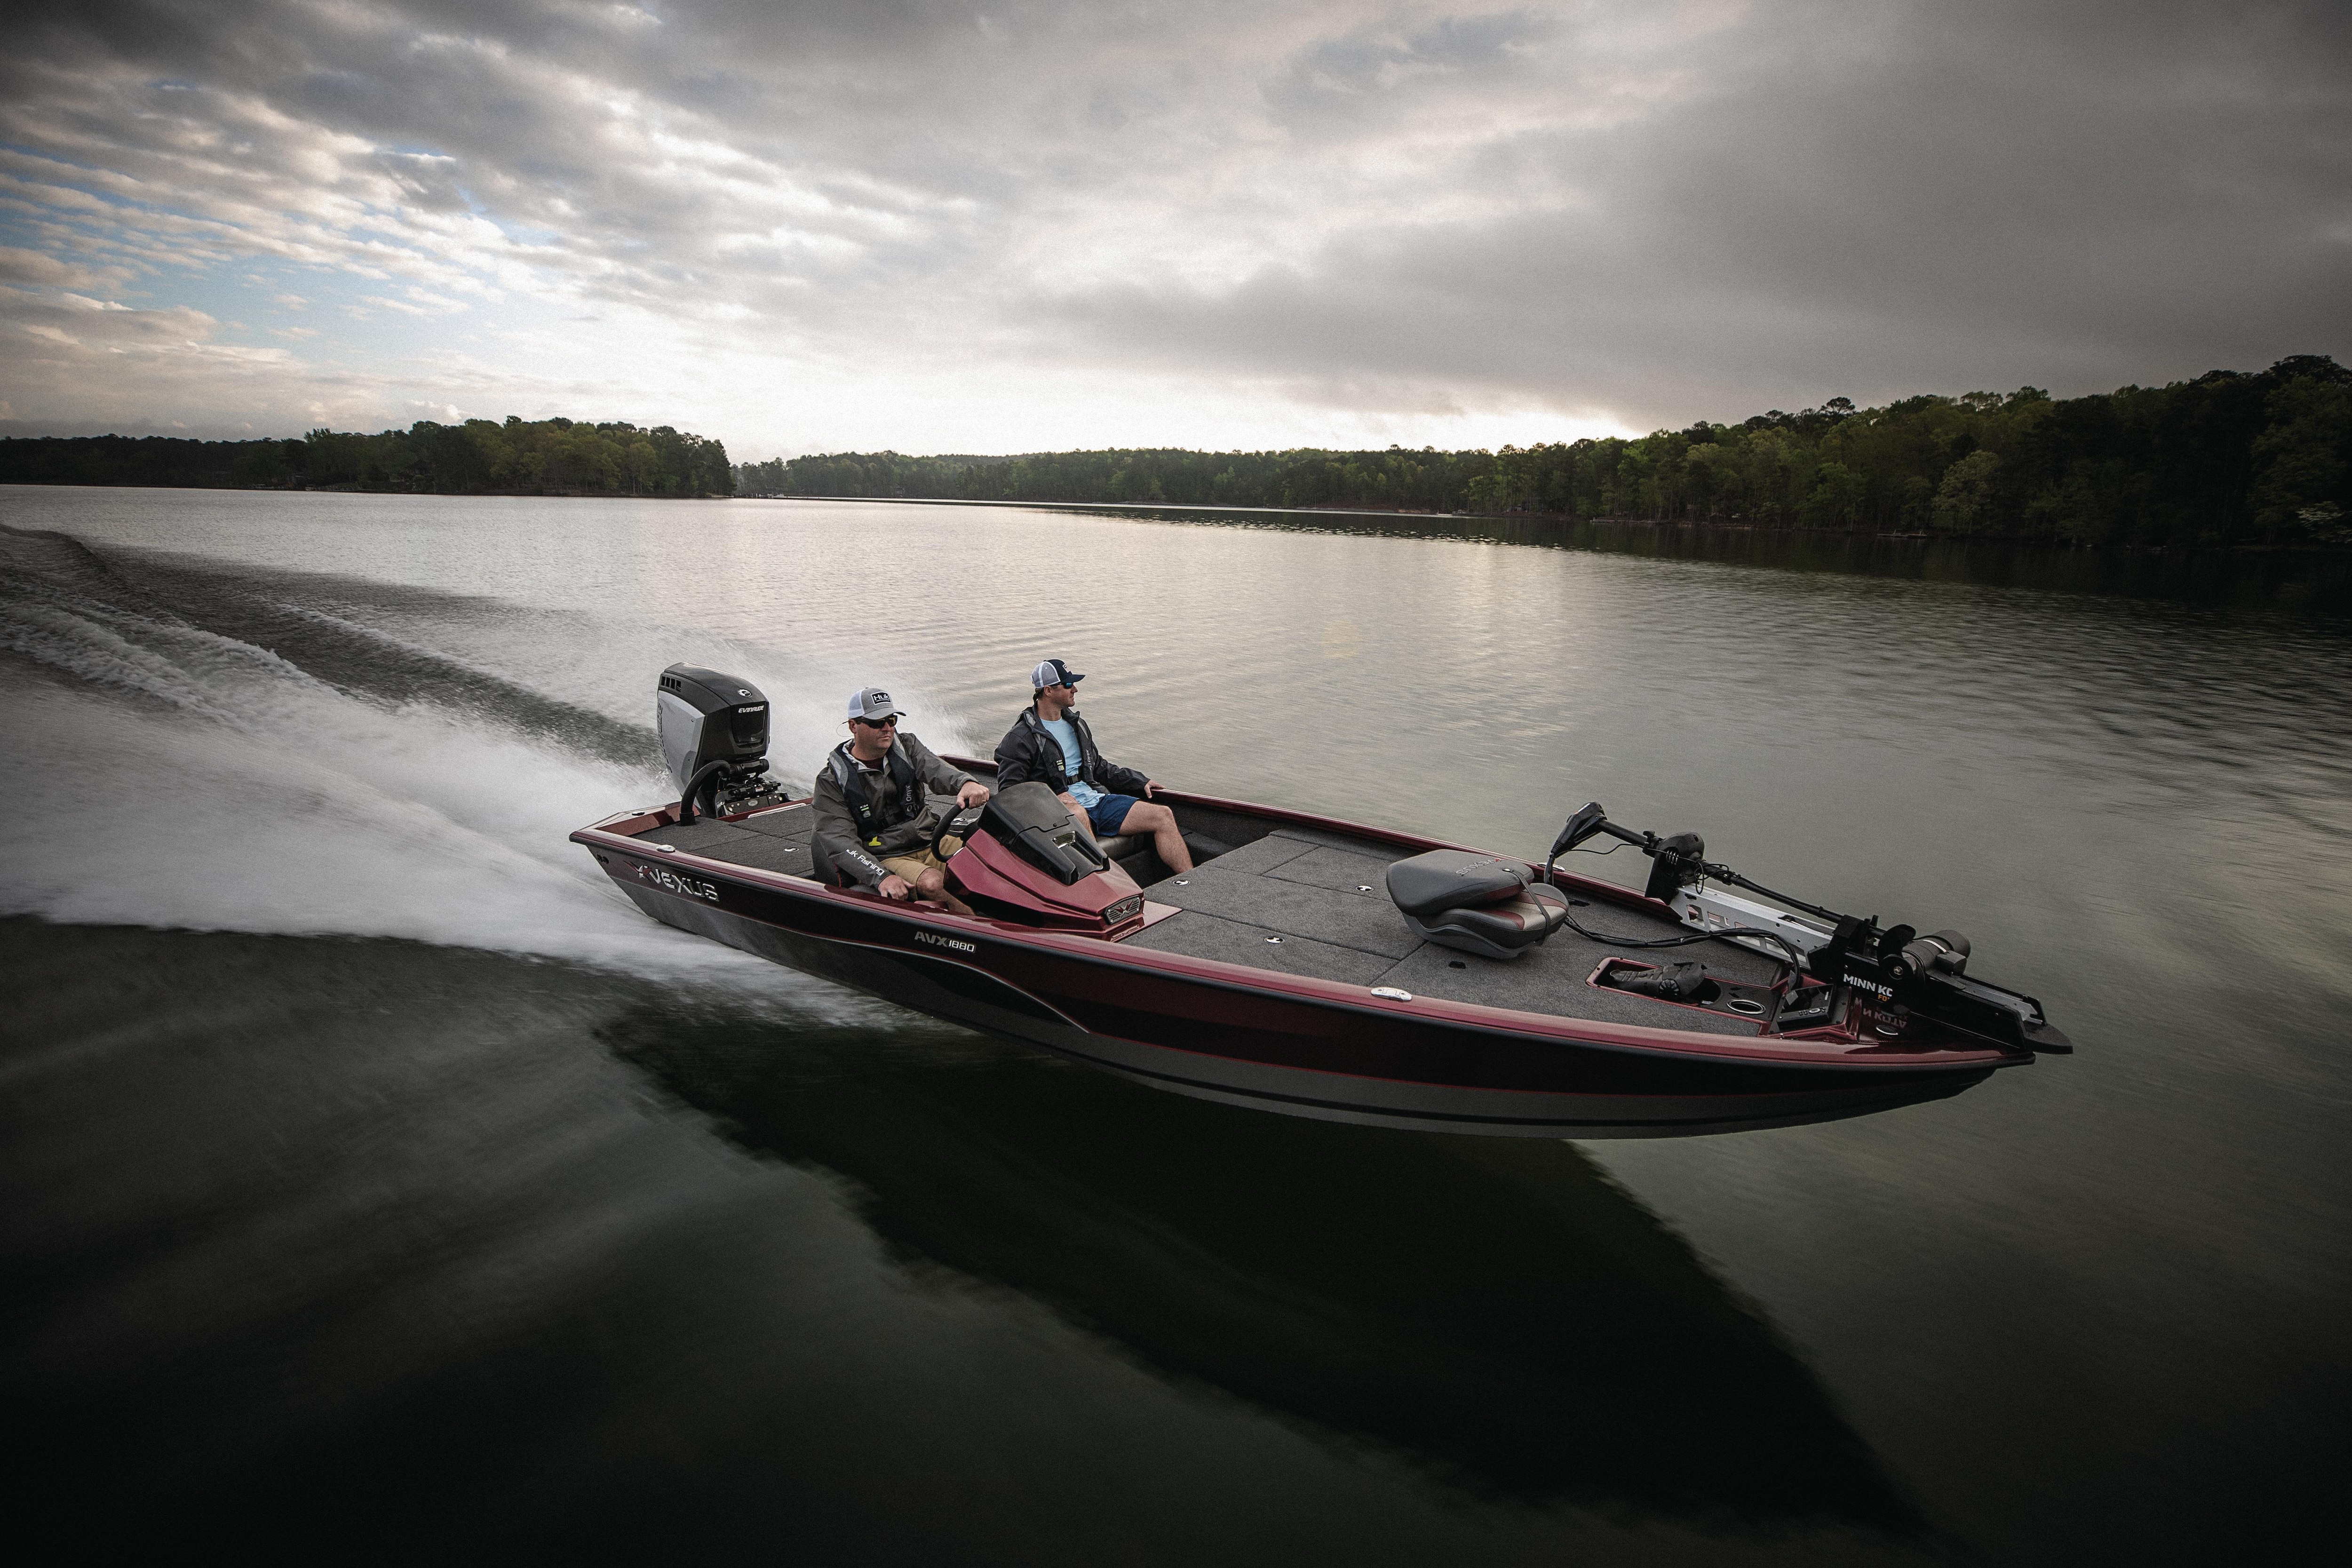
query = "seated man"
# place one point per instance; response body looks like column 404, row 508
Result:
column 1051, row 743
column 874, row 822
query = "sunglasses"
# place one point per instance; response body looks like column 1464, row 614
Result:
column 889, row 723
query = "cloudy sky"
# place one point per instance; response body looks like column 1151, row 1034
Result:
column 984, row 227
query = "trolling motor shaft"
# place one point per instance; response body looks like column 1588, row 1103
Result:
column 1677, row 860
column 1926, row 975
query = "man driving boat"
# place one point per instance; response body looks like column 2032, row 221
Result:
column 1051, row 743
column 874, row 822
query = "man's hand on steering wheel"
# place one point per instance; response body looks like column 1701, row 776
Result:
column 945, row 828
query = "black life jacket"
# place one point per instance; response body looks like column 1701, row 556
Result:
column 850, row 774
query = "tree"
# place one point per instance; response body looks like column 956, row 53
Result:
column 1965, row 502
column 2303, row 464
column 1836, row 497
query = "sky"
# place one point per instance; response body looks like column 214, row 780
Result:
column 957, row 227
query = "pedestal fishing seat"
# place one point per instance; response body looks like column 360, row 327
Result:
column 1475, row 903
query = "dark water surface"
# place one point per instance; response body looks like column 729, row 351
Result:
column 374, row 1172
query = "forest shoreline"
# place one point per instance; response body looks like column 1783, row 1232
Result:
column 2229, row 458
column 1720, row 525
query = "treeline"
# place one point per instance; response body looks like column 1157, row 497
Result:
column 480, row 457
column 2229, row 458
column 1424, row 480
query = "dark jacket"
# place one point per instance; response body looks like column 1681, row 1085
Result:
column 857, row 827
column 1030, row 751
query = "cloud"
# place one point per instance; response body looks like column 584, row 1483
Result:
column 417, row 302
column 904, row 224
column 39, row 268
column 78, row 365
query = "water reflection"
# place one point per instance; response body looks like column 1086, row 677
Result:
column 1496, row 1310
column 2301, row 582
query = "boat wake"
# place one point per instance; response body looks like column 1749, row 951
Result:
column 207, row 747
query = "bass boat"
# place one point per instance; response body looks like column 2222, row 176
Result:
column 1330, row 969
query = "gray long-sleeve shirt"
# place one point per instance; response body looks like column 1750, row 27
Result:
column 840, row 847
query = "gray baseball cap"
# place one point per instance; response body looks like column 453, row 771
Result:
column 1054, row 672
column 873, row 704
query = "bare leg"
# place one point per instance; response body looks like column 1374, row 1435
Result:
column 1161, row 823
column 933, row 884
column 1085, row 824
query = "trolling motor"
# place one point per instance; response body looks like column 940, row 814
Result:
column 714, row 738
column 1899, row 972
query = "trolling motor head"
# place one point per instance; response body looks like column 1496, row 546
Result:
column 714, row 740
column 1589, row 820
column 1676, row 860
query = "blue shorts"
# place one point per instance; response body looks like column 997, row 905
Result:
column 1108, row 812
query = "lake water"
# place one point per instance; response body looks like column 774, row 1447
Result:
column 374, row 1170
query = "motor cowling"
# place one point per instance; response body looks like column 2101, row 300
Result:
column 706, row 717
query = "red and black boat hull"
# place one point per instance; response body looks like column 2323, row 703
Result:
column 1280, row 1042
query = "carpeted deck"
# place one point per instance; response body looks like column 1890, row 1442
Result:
column 1325, row 898
column 775, row 840
column 1306, row 901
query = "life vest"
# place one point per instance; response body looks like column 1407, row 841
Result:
column 851, row 777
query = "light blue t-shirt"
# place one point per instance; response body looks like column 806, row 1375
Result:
column 1073, row 758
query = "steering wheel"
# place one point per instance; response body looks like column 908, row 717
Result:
column 948, row 829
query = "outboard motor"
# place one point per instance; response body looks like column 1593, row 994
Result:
column 714, row 737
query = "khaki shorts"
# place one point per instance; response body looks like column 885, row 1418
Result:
column 913, row 865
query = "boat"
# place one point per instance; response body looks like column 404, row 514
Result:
column 1330, row 969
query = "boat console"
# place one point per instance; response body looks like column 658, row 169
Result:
column 1025, row 858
